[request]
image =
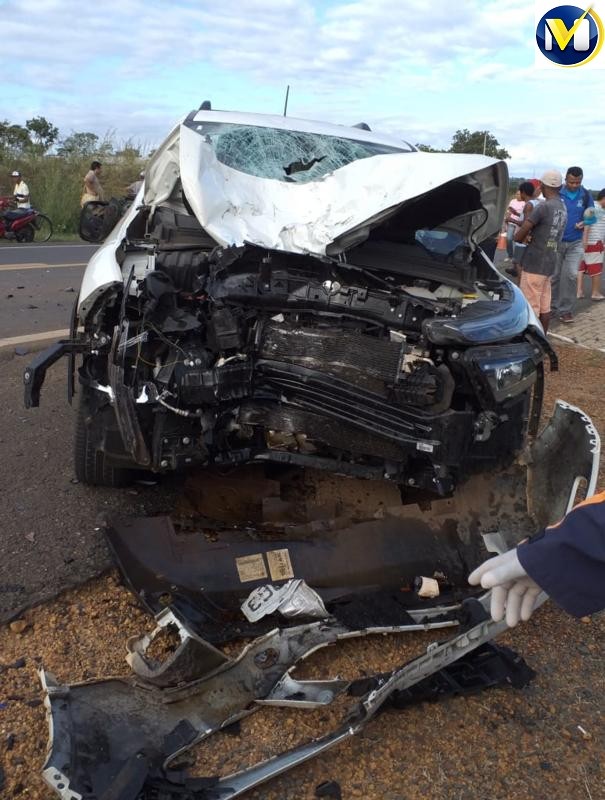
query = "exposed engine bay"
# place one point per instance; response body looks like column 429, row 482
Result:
column 240, row 354
column 247, row 309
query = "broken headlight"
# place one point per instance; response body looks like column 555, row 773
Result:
column 507, row 371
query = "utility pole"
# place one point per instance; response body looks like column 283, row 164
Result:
column 484, row 142
column 286, row 103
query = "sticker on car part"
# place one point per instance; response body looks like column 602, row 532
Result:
column 292, row 599
column 251, row 568
column 280, row 565
column 264, row 600
column 425, row 447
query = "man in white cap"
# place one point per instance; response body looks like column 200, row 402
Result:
column 542, row 229
column 21, row 190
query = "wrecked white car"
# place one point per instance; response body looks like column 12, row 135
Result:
column 302, row 293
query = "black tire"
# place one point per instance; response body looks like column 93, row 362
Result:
column 43, row 228
column 26, row 233
column 91, row 463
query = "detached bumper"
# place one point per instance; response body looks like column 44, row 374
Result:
column 145, row 720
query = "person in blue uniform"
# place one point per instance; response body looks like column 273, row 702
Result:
column 566, row 560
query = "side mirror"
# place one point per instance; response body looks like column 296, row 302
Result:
column 97, row 218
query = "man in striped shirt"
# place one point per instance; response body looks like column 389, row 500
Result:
column 593, row 241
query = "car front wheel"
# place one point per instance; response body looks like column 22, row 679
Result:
column 92, row 465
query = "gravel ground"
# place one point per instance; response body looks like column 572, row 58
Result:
column 546, row 741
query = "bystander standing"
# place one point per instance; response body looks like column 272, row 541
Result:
column 593, row 241
column 545, row 225
column 564, row 283
column 92, row 185
column 527, row 192
column 513, row 218
column 20, row 190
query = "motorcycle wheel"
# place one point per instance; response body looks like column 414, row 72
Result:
column 43, row 228
column 26, row 233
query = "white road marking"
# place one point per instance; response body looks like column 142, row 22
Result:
column 7, row 267
column 33, row 337
column 565, row 339
column 38, row 246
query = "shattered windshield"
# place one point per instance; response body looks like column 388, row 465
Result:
column 283, row 155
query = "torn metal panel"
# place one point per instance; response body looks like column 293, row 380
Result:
column 192, row 658
column 116, row 734
column 108, row 735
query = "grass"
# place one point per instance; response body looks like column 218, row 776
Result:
column 56, row 184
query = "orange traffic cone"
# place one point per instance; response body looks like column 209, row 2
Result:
column 502, row 241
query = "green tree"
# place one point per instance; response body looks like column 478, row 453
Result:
column 78, row 145
column 43, row 134
column 128, row 153
column 426, row 148
column 14, row 140
column 465, row 141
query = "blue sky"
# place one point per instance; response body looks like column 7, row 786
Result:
column 413, row 69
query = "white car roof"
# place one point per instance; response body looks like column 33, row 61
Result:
column 296, row 124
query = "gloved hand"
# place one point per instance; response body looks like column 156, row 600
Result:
column 512, row 588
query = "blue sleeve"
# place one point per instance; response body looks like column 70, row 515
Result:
column 568, row 559
column 589, row 199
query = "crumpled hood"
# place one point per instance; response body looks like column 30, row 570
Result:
column 321, row 215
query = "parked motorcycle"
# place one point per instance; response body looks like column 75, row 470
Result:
column 23, row 224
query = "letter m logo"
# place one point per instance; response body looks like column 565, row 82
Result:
column 557, row 30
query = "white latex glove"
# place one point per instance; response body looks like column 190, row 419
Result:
column 512, row 588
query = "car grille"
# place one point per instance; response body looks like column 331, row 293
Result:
column 335, row 398
column 354, row 357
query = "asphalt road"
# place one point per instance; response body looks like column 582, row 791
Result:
column 49, row 524
column 38, row 285
column 50, row 537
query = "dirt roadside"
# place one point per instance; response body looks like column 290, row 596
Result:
column 546, row 741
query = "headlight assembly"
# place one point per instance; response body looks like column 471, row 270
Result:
column 506, row 371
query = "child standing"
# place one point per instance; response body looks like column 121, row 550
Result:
column 513, row 218
column 528, row 195
column 593, row 241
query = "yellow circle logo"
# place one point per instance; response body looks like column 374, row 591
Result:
column 570, row 36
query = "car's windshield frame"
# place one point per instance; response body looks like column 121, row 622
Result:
column 290, row 156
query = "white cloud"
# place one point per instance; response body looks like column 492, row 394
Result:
column 422, row 70
column 262, row 37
